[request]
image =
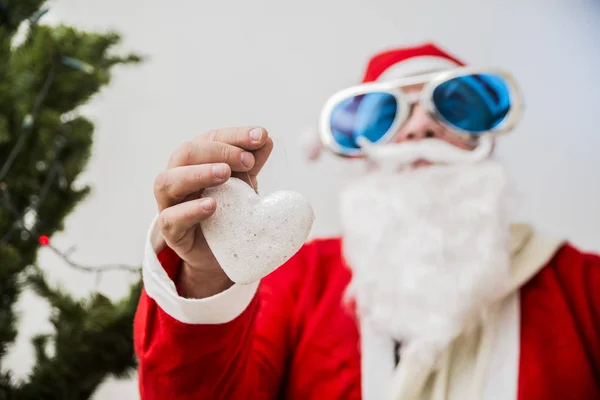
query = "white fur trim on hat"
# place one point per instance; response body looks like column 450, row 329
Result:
column 417, row 65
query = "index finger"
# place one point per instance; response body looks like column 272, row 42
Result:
column 247, row 138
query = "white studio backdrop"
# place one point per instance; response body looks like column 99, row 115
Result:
column 273, row 63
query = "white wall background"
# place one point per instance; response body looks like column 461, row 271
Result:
column 273, row 63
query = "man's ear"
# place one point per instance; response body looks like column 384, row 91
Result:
column 311, row 144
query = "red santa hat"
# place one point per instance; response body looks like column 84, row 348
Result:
column 395, row 63
column 409, row 61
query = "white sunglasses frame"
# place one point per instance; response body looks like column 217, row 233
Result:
column 425, row 99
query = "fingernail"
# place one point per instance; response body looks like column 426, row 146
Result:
column 207, row 204
column 247, row 159
column 256, row 134
column 220, row 171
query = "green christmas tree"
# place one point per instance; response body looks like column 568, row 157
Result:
column 46, row 74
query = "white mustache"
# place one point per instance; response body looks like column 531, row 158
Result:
column 398, row 155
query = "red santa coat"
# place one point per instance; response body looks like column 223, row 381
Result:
column 291, row 337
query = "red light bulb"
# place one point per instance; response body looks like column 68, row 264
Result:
column 44, row 240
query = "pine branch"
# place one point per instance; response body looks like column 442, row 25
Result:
column 88, row 345
column 7, row 386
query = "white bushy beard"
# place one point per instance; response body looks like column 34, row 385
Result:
column 428, row 248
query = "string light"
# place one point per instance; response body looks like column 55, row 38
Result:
column 28, row 122
column 78, row 65
column 44, row 240
column 38, row 15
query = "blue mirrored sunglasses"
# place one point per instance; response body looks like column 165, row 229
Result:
column 467, row 101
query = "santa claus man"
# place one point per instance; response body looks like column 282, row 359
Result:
column 431, row 292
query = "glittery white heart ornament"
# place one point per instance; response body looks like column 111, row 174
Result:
column 252, row 236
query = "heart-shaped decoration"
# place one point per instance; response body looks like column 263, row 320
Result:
column 252, row 236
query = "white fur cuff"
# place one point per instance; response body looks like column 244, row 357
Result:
column 217, row 309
